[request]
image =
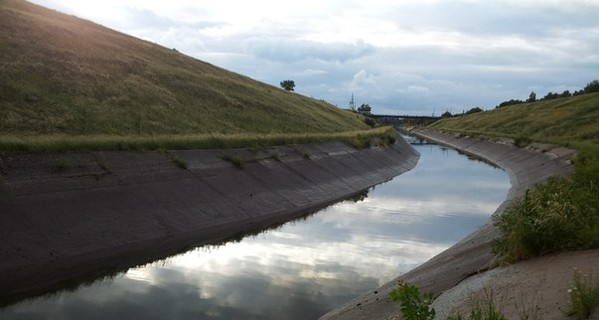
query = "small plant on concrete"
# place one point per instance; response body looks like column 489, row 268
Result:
column 584, row 296
column 522, row 141
column 63, row 164
column 235, row 160
column 361, row 142
column 484, row 309
column 414, row 306
column 178, row 162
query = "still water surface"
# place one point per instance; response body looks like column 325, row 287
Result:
column 306, row 267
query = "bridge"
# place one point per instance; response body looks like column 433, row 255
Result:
column 404, row 119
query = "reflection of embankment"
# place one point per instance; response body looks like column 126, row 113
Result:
column 472, row 254
column 73, row 217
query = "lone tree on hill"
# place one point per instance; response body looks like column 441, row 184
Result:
column 288, row 85
column 364, row 108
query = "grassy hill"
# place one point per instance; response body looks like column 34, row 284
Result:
column 565, row 121
column 64, row 76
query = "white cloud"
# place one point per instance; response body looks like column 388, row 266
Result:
column 407, row 56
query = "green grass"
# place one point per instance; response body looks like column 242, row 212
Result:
column 62, row 143
column 64, row 78
column 566, row 121
column 563, row 213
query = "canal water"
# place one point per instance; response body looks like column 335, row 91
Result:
column 306, row 267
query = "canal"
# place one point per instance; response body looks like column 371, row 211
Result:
column 305, row 267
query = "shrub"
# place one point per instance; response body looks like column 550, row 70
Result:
column 361, row 142
column 521, row 141
column 558, row 215
column 369, row 121
column 414, row 306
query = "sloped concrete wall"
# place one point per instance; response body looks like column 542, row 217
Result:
column 471, row 255
column 67, row 217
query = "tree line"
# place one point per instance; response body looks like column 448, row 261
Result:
column 591, row 87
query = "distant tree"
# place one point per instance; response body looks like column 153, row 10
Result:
column 474, row 110
column 288, row 85
column 364, row 108
column 532, row 97
column 592, row 86
column 446, row 114
column 550, row 96
column 509, row 103
column 565, row 94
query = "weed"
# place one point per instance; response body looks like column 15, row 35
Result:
column 483, row 309
column 101, row 160
column 181, row 164
column 584, row 296
column 63, row 164
column 414, row 306
column 306, row 156
column 528, row 310
column 178, row 162
column 236, row 160
column 361, row 142
column 522, row 141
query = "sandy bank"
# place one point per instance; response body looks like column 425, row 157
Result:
column 70, row 217
column 472, row 255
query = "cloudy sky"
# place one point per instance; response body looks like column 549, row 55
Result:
column 402, row 56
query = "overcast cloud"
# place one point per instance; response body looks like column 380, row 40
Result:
column 414, row 57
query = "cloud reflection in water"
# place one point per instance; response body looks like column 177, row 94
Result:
column 304, row 268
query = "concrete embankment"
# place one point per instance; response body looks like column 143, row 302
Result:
column 77, row 216
column 472, row 255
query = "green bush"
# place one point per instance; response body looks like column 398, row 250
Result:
column 521, row 141
column 561, row 214
column 371, row 122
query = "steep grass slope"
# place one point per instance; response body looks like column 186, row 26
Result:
column 564, row 121
column 61, row 75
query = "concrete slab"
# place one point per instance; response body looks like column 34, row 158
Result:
column 75, row 216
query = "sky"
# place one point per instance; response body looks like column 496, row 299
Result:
column 418, row 57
